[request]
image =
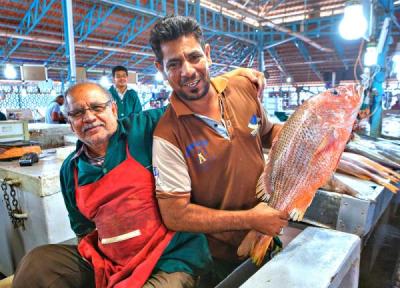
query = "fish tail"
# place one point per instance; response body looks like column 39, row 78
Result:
column 391, row 187
column 393, row 179
column 260, row 249
column 247, row 244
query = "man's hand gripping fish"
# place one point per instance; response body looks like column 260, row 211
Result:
column 304, row 157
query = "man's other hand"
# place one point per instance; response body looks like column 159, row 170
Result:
column 255, row 77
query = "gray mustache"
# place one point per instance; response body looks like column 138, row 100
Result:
column 90, row 126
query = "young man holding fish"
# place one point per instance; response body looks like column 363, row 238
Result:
column 207, row 151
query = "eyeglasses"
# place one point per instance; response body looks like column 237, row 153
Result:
column 95, row 108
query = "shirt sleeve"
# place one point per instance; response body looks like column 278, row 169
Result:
column 170, row 170
column 56, row 108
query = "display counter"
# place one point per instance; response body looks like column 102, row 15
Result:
column 43, row 218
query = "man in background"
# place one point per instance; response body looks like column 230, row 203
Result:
column 126, row 99
column 53, row 112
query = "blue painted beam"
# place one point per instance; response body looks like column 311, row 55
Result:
column 35, row 13
column 339, row 50
column 135, row 58
column 156, row 8
column 307, row 57
column 221, row 24
column 277, row 59
column 69, row 39
column 137, row 26
column 380, row 77
column 316, row 27
column 92, row 20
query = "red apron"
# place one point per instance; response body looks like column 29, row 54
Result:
column 130, row 237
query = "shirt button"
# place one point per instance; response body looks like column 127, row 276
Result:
column 104, row 170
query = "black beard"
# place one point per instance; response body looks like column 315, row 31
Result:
column 195, row 97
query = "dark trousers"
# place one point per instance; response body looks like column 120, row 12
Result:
column 61, row 266
column 58, row 266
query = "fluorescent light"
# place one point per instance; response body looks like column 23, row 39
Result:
column 353, row 25
column 10, row 72
column 104, row 81
column 371, row 55
column 159, row 77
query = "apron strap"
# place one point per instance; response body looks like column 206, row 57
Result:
column 75, row 174
column 128, row 155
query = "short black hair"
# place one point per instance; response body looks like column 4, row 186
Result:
column 59, row 97
column 119, row 68
column 171, row 28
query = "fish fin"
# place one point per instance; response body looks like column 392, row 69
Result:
column 247, row 244
column 260, row 249
column 297, row 214
column 261, row 192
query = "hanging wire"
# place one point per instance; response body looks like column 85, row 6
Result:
column 358, row 62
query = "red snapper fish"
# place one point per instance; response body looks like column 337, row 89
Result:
column 304, row 157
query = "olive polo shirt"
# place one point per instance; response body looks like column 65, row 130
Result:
column 193, row 159
column 186, row 252
column 130, row 103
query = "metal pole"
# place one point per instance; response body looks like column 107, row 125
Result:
column 69, row 39
column 383, row 47
column 260, row 48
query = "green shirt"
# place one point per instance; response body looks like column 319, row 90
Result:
column 186, row 252
column 130, row 103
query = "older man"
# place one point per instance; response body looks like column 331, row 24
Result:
column 109, row 193
column 207, row 150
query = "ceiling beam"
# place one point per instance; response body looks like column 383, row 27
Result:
column 92, row 20
column 137, row 25
column 32, row 17
column 278, row 61
column 306, row 55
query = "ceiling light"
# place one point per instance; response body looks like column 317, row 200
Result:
column 353, row 25
column 10, row 72
column 289, row 79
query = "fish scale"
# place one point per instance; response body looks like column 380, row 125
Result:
column 304, row 157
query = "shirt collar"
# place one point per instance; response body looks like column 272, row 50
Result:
column 181, row 109
column 121, row 131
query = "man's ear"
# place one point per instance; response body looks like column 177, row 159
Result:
column 70, row 125
column 207, row 51
column 160, row 69
column 114, row 109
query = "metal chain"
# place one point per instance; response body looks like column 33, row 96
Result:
column 15, row 208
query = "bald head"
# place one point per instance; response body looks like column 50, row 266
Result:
column 82, row 89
